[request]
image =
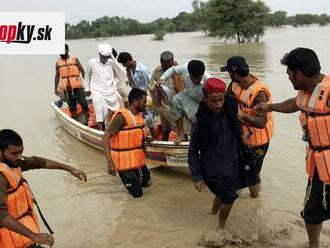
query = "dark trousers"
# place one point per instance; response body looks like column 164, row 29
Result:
column 76, row 95
column 253, row 174
column 135, row 179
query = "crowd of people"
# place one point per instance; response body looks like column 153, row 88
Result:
column 229, row 127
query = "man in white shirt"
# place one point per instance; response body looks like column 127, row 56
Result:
column 106, row 81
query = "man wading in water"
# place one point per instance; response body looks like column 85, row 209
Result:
column 213, row 157
column 303, row 68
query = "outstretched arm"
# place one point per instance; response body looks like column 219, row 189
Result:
column 169, row 72
column 288, row 106
column 80, row 174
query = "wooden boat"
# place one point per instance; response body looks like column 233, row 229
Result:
column 159, row 153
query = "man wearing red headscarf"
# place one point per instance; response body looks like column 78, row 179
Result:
column 214, row 158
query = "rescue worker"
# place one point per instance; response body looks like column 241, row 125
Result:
column 68, row 82
column 312, row 100
column 19, row 223
column 138, row 77
column 257, row 128
column 123, row 144
column 162, row 95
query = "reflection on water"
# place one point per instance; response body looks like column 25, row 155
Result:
column 171, row 214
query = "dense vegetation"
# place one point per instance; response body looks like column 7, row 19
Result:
column 240, row 20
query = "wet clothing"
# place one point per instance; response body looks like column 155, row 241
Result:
column 135, row 180
column 253, row 175
column 255, row 168
column 316, row 210
column 223, row 186
column 215, row 150
column 220, row 152
column 75, row 96
column 29, row 163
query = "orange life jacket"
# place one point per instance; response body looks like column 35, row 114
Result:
column 178, row 82
column 20, row 207
column 127, row 145
column 246, row 97
column 315, row 122
column 69, row 73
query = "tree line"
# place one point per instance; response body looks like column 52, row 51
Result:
column 239, row 20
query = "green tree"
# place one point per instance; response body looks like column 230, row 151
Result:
column 159, row 34
column 242, row 20
column 185, row 22
column 323, row 20
column 199, row 8
column 277, row 19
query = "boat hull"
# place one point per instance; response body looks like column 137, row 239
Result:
column 159, row 153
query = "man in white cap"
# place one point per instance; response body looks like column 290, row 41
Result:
column 106, row 81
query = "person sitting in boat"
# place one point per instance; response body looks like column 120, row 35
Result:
column 162, row 94
column 106, row 82
column 138, row 77
column 18, row 219
column 68, row 82
column 185, row 104
column 213, row 155
column 123, row 144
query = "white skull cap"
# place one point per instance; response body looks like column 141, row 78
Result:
column 104, row 49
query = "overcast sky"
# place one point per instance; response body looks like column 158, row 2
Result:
column 143, row 10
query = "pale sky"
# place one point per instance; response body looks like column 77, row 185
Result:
column 143, row 10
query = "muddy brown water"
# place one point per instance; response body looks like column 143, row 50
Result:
column 171, row 214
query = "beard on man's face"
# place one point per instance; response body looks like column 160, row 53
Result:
column 10, row 164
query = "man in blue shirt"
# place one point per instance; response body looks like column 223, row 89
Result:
column 138, row 77
column 137, row 73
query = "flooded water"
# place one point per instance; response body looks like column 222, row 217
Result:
column 171, row 214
